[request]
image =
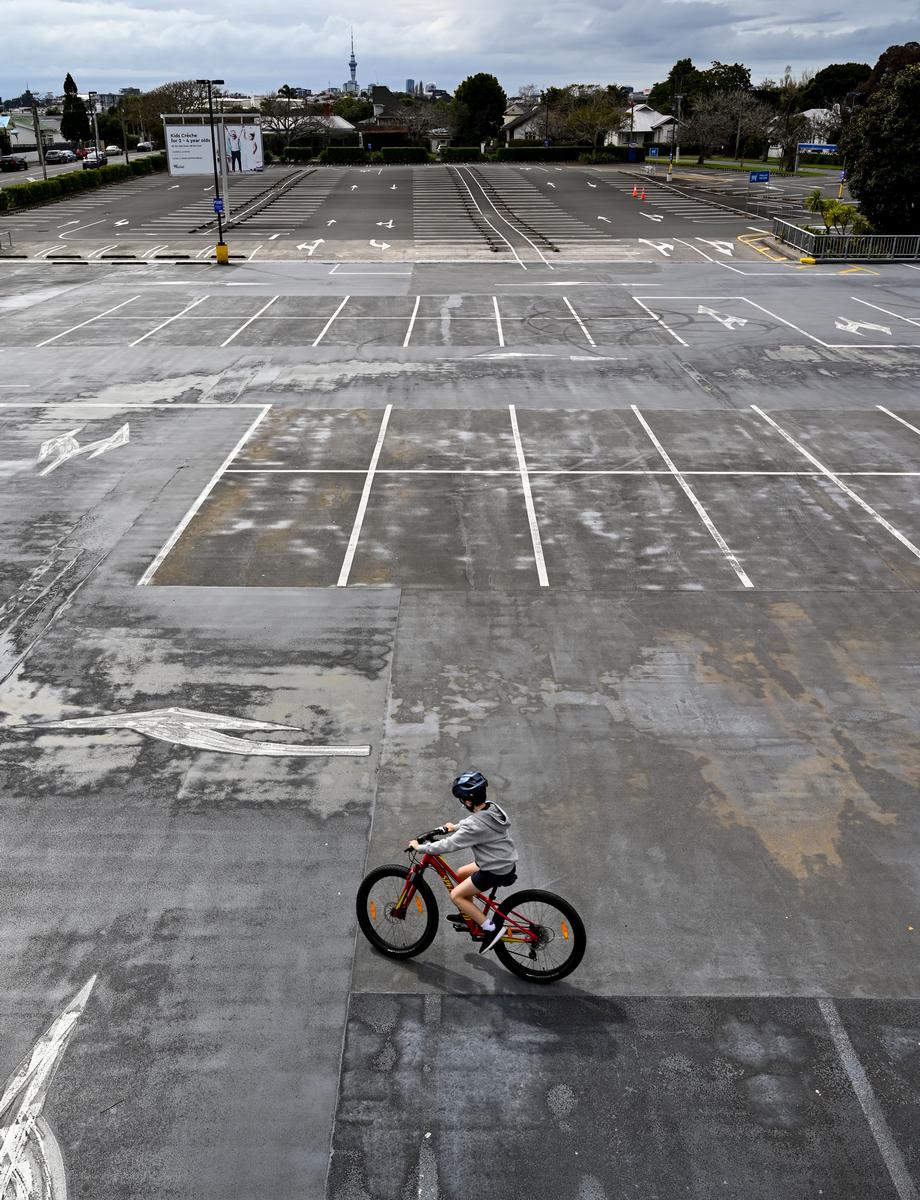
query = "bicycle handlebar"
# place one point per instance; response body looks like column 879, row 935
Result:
column 431, row 836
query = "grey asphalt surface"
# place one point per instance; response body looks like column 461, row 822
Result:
column 721, row 775
column 528, row 213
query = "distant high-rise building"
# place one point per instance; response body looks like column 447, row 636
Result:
column 420, row 88
column 410, row 87
column 351, row 86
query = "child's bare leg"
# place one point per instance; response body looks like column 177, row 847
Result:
column 462, row 895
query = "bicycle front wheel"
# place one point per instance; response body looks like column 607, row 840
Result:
column 559, row 937
column 401, row 931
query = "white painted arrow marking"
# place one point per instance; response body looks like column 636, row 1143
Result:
column 204, row 731
column 386, row 224
column 310, row 247
column 552, row 185
column 65, row 446
column 652, row 216
column 392, row 187
column 354, row 187
column 594, row 185
column 173, row 187
column 850, row 326
column 663, row 248
column 721, row 247
column 380, row 245
column 23, row 1160
column 331, row 222
column 606, row 220
column 725, row 319
column 66, row 223
column 125, row 222
column 272, row 236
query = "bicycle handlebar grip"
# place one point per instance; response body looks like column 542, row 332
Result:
column 432, row 835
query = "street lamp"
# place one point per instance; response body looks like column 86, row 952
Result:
column 678, row 97
column 222, row 254
column 91, row 97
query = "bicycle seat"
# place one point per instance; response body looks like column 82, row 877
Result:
column 510, row 883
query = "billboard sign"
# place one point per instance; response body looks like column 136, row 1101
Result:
column 243, row 146
column 817, row 148
column 188, row 149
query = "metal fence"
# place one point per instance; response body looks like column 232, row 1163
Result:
column 830, row 246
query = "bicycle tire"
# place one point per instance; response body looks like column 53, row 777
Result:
column 530, row 906
column 375, row 926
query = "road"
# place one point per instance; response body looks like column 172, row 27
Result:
column 638, row 538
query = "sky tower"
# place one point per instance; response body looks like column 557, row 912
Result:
column 351, row 87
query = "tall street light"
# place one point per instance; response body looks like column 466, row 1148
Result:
column 91, row 97
column 222, row 253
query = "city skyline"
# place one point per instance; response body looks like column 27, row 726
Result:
column 308, row 47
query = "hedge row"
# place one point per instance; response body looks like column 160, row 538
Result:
column 461, row 154
column 23, row 195
column 343, row 155
column 618, row 154
column 405, row 154
column 534, row 152
column 820, row 160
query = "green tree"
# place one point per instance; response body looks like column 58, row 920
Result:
column 881, row 148
column 727, row 77
column 584, row 112
column 74, row 119
column 891, row 62
column 6, row 145
column 832, row 84
column 684, row 80
column 350, row 108
column 485, row 102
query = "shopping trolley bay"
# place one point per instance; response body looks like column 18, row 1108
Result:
column 288, row 544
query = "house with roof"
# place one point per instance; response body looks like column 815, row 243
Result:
column 643, row 126
column 524, row 123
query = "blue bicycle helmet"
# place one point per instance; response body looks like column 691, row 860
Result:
column 470, row 787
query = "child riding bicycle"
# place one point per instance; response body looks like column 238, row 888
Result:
column 486, row 832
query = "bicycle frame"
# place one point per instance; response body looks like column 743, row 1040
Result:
column 514, row 931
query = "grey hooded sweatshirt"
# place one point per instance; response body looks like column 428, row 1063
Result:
column 487, row 834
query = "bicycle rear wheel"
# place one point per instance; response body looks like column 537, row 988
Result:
column 398, row 933
column 560, row 934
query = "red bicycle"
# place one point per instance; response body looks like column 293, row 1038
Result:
column 543, row 940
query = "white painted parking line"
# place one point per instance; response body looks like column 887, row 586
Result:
column 98, row 253
column 583, row 327
column 362, row 506
column 148, row 575
column 895, row 417
column 168, row 321
column 498, row 321
column 252, row 256
column 528, row 502
column 325, row 329
column 660, row 321
column 881, row 1132
column 834, row 478
column 688, row 492
column 248, row 322
column 887, row 311
column 411, row 322
column 98, row 317
column 783, row 321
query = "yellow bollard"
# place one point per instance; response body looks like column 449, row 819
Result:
column 808, row 261
column 223, row 253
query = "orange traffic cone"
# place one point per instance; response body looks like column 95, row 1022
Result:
column 642, row 197
column 635, row 191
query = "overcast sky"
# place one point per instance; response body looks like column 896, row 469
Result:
column 109, row 44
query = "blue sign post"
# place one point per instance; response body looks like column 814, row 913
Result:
column 813, row 148
column 653, row 151
column 218, row 204
column 759, row 177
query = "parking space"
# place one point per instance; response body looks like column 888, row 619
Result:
column 620, row 501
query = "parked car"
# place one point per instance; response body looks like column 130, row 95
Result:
column 13, row 162
column 82, row 151
column 113, row 149
column 60, row 156
column 94, row 160
column 145, row 145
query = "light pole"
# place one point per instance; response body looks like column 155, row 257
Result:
column 222, row 252
column 677, row 99
column 91, row 97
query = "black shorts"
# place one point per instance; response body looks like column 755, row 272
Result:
column 486, row 880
